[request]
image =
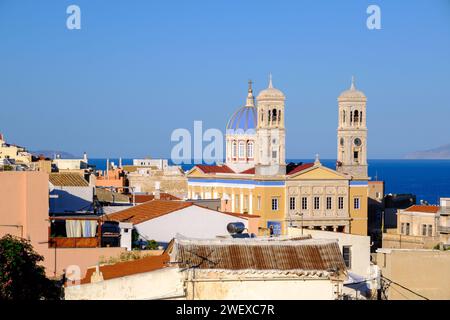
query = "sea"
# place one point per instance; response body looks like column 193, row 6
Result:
column 429, row 180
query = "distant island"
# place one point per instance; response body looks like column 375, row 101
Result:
column 51, row 153
column 442, row 152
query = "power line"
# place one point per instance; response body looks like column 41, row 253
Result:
column 403, row 287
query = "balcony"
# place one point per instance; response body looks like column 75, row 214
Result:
column 444, row 229
column 63, row 242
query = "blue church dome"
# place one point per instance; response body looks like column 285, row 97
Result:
column 243, row 120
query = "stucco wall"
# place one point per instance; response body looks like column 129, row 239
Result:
column 169, row 283
column 24, row 201
column 71, row 199
column 193, row 221
column 422, row 271
column 263, row 289
column 165, row 283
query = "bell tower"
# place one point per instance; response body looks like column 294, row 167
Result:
column 352, row 133
column 270, row 132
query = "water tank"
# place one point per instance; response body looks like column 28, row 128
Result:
column 235, row 227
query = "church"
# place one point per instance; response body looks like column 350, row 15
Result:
column 255, row 178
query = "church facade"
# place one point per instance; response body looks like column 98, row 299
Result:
column 256, row 179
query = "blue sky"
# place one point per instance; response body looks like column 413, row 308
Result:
column 137, row 70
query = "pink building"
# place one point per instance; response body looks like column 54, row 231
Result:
column 24, row 212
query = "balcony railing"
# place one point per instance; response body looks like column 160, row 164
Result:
column 63, row 242
column 444, row 229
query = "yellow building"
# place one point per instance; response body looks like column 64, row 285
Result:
column 256, row 179
column 12, row 152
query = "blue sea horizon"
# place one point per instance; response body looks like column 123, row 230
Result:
column 429, row 180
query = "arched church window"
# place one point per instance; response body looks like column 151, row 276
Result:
column 241, row 149
column 343, row 116
column 268, row 118
column 274, row 115
column 356, row 117
column 351, row 117
column 279, row 116
column 360, row 117
column 250, row 150
column 234, row 149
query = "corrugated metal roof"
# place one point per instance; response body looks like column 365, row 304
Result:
column 67, row 179
column 249, row 254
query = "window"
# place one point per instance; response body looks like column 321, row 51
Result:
column 250, row 150
column 430, row 230
column 274, row 115
column 304, row 203
column 241, row 149
column 234, row 149
column 355, row 155
column 274, row 154
column 356, row 115
column 328, row 203
column 347, row 255
column 405, row 228
column 341, row 203
column 316, row 203
column 292, row 203
column 356, row 203
column 274, row 204
column 378, row 195
column 258, row 203
column 424, row 229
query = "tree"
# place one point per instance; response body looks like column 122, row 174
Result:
column 21, row 277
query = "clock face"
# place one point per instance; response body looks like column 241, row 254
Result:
column 342, row 141
column 357, row 142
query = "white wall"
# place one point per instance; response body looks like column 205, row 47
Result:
column 360, row 247
column 70, row 198
column 159, row 284
column 193, row 221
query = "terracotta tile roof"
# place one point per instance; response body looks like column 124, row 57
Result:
column 147, row 211
column 141, row 198
column 249, row 171
column 424, row 209
column 300, row 167
column 122, row 269
column 215, row 168
column 240, row 215
column 67, row 179
column 259, row 254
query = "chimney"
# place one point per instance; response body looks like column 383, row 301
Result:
column 157, row 190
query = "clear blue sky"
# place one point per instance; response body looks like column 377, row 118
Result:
column 139, row 69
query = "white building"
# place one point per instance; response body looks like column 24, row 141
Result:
column 222, row 269
column 161, row 220
column 70, row 192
